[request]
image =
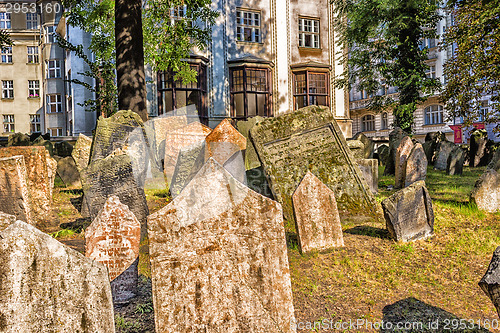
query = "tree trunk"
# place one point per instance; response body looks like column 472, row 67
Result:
column 130, row 77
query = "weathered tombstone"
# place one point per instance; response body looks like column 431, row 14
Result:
column 317, row 218
column 219, row 259
column 40, row 141
column 357, row 148
column 159, row 127
column 48, row 287
column 18, row 139
column 235, row 165
column 113, row 239
column 257, row 181
column 455, row 163
column 189, row 162
column 113, row 175
column 409, row 214
column 486, row 192
column 309, row 139
column 68, row 172
column 40, row 178
column 6, row 220
column 224, row 141
column 432, row 140
column 15, row 197
column 416, row 165
column 369, row 169
column 383, row 154
column 81, row 152
column 495, row 161
column 490, row 283
column 443, row 151
column 63, row 149
column 395, row 138
column 244, row 126
column 478, row 141
column 182, row 137
column 402, row 152
column 369, row 145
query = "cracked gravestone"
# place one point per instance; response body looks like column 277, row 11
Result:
column 409, row 214
column 402, row 153
column 113, row 240
column 309, row 139
column 416, row 165
column 219, row 260
column 15, row 198
column 317, row 218
column 47, row 287
column 490, row 283
column 224, row 141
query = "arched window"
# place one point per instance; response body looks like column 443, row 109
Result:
column 434, row 115
column 368, row 123
column 385, row 121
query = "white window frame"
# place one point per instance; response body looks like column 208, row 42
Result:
column 368, row 123
column 8, row 89
column 309, row 27
column 430, row 72
column 54, row 102
column 31, row 21
column 35, row 123
column 434, row 114
column 248, row 26
column 7, row 55
column 32, row 52
column 384, row 120
column 58, row 131
column 33, row 88
column 50, row 31
column 9, row 125
column 483, row 111
column 5, row 21
column 53, row 69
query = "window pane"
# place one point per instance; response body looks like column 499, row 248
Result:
column 261, row 105
column 300, row 102
column 167, row 101
column 252, row 105
column 180, row 99
column 239, row 105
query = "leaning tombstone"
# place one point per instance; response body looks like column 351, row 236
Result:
column 81, row 152
column 48, row 287
column 309, row 139
column 6, row 220
column 113, row 239
column 189, row 162
column 257, row 181
column 409, row 214
column 490, row 283
column 68, row 172
column 416, row 165
column 244, row 126
column 495, row 161
column 395, row 138
column 317, row 218
column 432, row 140
column 402, row 152
column 15, row 196
column 443, row 151
column 455, row 163
column 369, row 169
column 478, row 141
column 486, row 192
column 224, row 141
column 219, row 259
column 369, row 145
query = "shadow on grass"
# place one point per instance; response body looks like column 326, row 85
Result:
column 77, row 202
column 413, row 315
column 368, row 231
column 292, row 240
column 74, row 191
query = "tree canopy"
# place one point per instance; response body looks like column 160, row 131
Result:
column 5, row 39
column 382, row 43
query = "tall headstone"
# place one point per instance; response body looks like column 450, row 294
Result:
column 219, row 260
column 224, row 141
column 409, row 214
column 317, row 218
column 68, row 172
column 432, row 140
column 416, row 165
column 15, row 196
column 443, row 151
column 157, row 129
column 478, row 141
column 244, row 126
column 6, row 220
column 369, row 145
column 402, row 152
column 455, row 163
column 81, row 152
column 309, row 139
column 395, row 138
column 189, row 162
column 48, row 287
column 51, row 173
column 113, row 239
column 369, row 169
column 490, row 283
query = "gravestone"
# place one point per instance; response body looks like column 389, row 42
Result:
column 244, row 126
column 219, row 259
column 182, row 137
column 63, row 149
column 486, row 192
column 409, row 214
column 40, row 178
column 309, row 139
column 224, row 141
column 395, row 138
column 369, row 169
column 490, row 283
column 357, row 148
column 443, row 151
column 15, row 196
column 68, row 172
column 317, row 219
column 235, row 165
column 81, row 152
column 455, row 163
column 432, row 140
column 478, row 141
column 18, row 139
column 113, row 239
column 416, row 165
column 6, row 220
column 40, row 141
column 113, row 133
column 402, row 154
column 48, row 287
column 257, row 181
column 109, row 176
column 369, row 145
column 383, row 154
column 189, row 162
column 495, row 161
column 158, row 128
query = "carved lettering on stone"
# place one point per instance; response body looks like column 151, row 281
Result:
column 15, row 197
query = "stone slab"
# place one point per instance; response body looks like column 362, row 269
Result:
column 15, row 198
column 243, row 126
column 158, row 128
column 395, row 138
column 81, row 152
column 456, row 160
column 416, row 165
column 309, row 139
column 369, row 145
column 219, row 259
column 68, row 172
column 443, row 151
column 6, row 220
column 357, row 148
column 490, row 283
column 477, row 151
column 486, row 192
column 47, row 287
column 189, row 162
column 317, row 218
column 224, row 141
column 402, row 153
column 369, row 169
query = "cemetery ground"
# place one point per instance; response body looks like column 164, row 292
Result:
column 372, row 277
